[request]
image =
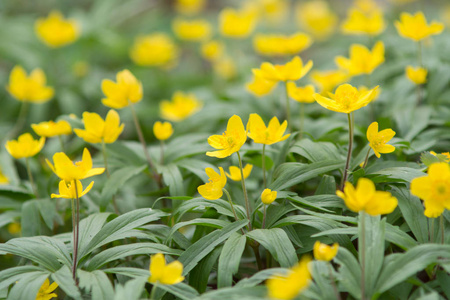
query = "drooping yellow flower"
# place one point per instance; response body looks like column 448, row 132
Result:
column 358, row 22
column 279, row 45
column 213, row 50
column 346, row 99
column 325, row 252
column 317, row 18
column 378, row 140
column 24, row 146
column 269, row 135
column 328, row 80
column 98, row 130
column 46, row 291
column 212, row 190
column 155, row 49
column 235, row 172
column 14, row 228
column 55, row 31
column 3, row 178
column 67, row 170
column 416, row 75
column 182, row 106
column 415, row 27
column 366, row 198
column 125, row 91
column 192, row 30
column 301, row 94
column 189, row 7
column 162, row 131
column 225, row 67
column 288, row 286
column 51, row 129
column 67, row 190
column 362, row 60
column 165, row 274
column 29, row 88
column 268, row 196
column 446, row 155
column 292, row 70
column 230, row 141
column 260, row 86
column 237, row 24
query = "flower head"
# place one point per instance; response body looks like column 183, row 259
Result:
column 269, row 135
column 317, row 18
column 24, row 146
column 162, row 131
column 359, row 22
column 362, row 60
column 230, row 141
column 182, row 106
column 213, row 50
column 156, row 49
column 67, row 190
column 193, row 30
column 51, row 129
column 29, row 88
column 292, row 70
column 325, row 252
column 415, row 27
column 46, row 290
column 378, row 140
column 268, row 196
column 279, row 45
column 14, row 228
column 260, row 86
column 417, row 75
column 301, row 94
column 189, row 7
column 98, row 130
column 212, row 190
column 235, row 172
column 122, row 93
column 328, row 80
column 55, row 31
column 165, row 274
column 237, row 24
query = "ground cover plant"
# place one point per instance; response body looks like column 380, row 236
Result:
column 194, row 149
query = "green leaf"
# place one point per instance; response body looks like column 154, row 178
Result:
column 30, row 221
column 396, row 174
column 349, row 274
column 180, row 290
column 28, row 285
column 316, row 151
column 260, row 277
column 236, row 293
column 129, row 271
column 229, row 259
column 215, row 223
column 196, row 166
column 89, row 227
column 131, row 290
column 173, row 179
column 200, row 204
column 63, row 277
column 11, row 275
column 198, row 277
column 47, row 210
column 97, row 283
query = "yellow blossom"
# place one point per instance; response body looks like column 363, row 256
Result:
column 237, row 24
column 363, row 89
column 362, row 60
column 24, row 146
column 292, row 70
column 98, row 130
column 182, row 106
column 416, row 75
column 67, row 190
column 125, row 91
column 230, row 141
column 46, row 291
column 29, row 88
column 55, row 31
column 213, row 50
column 378, row 140
column 366, row 198
column 415, row 27
column 155, row 49
column 260, row 86
column 51, row 129
column 328, row 80
column 367, row 6
column 279, row 45
column 446, row 155
column 14, row 228
column 268, row 196
column 165, row 274
column 235, row 172
column 225, row 67
column 359, row 22
column 191, row 30
column 212, row 190
column 325, row 252
column 301, row 94
column 317, row 18
column 3, row 178
column 269, row 135
column 162, row 131
column 189, row 7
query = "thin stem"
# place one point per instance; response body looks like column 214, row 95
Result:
column 153, row 292
column 264, row 164
column 20, row 119
column 441, row 225
column 247, row 204
column 75, row 248
column 74, row 224
column 232, row 207
column 363, row 255
column 366, row 159
column 105, row 161
column 30, row 177
column 288, row 107
column 419, row 93
column 350, row 146
column 61, row 143
column 264, row 217
column 333, row 283
column 257, row 256
column 302, row 120
column 371, row 105
column 162, row 152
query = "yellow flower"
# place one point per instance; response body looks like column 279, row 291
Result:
column 213, row 50
column 46, row 291
column 288, row 286
column 66, row 170
column 235, row 172
column 446, row 155
column 14, row 228
column 273, row 45
column 191, row 30
column 363, row 89
column 416, row 27
column 162, row 131
column 292, row 70
column 29, row 88
column 260, row 86
column 417, row 75
column 434, row 189
column 24, row 146
column 165, row 274
column 378, row 140
column 51, row 129
column 125, row 91
column 273, row 11
column 225, row 67
column 346, row 99
column 67, row 190
column 99, row 131
column 362, row 60
column 181, row 107
column 317, row 18
column 328, row 80
column 359, row 22
column 55, row 31
column 189, row 7
column 212, row 190
column 366, row 198
column 155, row 49
column 269, row 135
column 268, row 196
column 325, row 252
column 3, row 178
column 237, row 24
column 301, row 94
column 230, row 141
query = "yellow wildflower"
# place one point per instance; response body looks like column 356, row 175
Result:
column 189, row 7
column 212, row 190
column 51, row 129
column 14, row 228
column 260, row 86
column 328, row 80
column 237, row 24
column 225, row 67
column 269, row 135
column 55, row 31
column 67, row 190
column 125, row 91
column 367, row 199
column 415, row 27
column 162, row 131
column 182, row 106
column 325, row 252
column 99, row 131
column 24, row 146
column 301, row 94
column 378, row 140
column 292, row 70
column 230, row 141
column 359, row 22
column 235, row 172
column 3, row 178
column 362, row 60
column 446, row 155
column 46, row 290
column 317, row 18
column 165, row 274
column 268, row 196
column 29, row 88
column 212, row 50
column 416, row 75
column 155, row 49
column 363, row 89
column 191, row 30
column 278, row 45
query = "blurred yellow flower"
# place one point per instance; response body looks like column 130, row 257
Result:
column 274, row 11
column 367, row 6
column 260, row 86
column 14, row 228
column 444, row 154
column 125, row 91
column 237, row 24
column 279, row 45
column 29, row 88
column 96, row 130
column 325, row 252
column 3, row 178
column 67, row 190
column 165, row 274
column 235, row 172
column 182, row 106
column 292, row 70
column 268, row 196
column 416, row 75
column 225, row 67
column 362, row 60
column 46, row 291
column 401, row 2
column 51, row 129
column 377, row 140
column 155, row 49
column 358, row 22
column 288, row 286
column 346, row 99
column 213, row 50
column 212, row 190
column 55, row 31
column 189, row 7
column 192, row 30
column 269, row 135
column 230, row 141
column 415, row 27
column 24, row 146
column 366, row 198
column 434, row 189
column 162, row 131
column 363, row 89
column 445, row 15
column 328, row 80
column 317, row 18
column 301, row 94
column 80, row 68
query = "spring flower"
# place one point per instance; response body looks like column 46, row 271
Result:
column 3, row 178
column 66, row 170
column 51, row 129
column 325, row 252
column 444, row 155
column 317, row 18
column 125, row 91
column 279, row 45
column 237, row 24
column 366, row 198
column 156, row 49
column 288, row 286
column 269, row 135
column 14, row 228
column 213, row 50
column 165, row 274
column 434, row 189
column 416, row 75
column 328, row 80
column 301, row 94
column 292, row 70
column 363, row 89
column 67, row 190
column 98, row 130
column 46, row 291
column 29, row 88
column 268, row 196
column 362, row 60
column 359, row 22
column 55, row 31
column 225, row 67
column 212, row 190
column 346, row 99
column 415, row 27
column 378, row 140
column 235, row 172
column 162, row 131
column 193, row 30
column 230, row 141
column 24, row 146
column 189, row 7
column 260, row 86
column 182, row 106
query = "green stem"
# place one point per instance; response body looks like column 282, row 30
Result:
column 333, row 282
column 371, row 105
column 441, row 225
column 302, row 120
column 162, row 152
column 232, row 207
column 363, row 255
column 105, row 161
column 264, row 164
column 366, row 159
column 77, row 223
column 264, row 217
column 350, row 146
column 20, row 119
column 288, row 107
column 74, row 224
column 30, row 177
column 61, row 143
column 257, row 256
column 153, row 292
column 247, row 204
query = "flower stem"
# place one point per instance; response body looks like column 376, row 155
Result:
column 264, row 164
column 441, row 224
column 302, row 120
column 162, row 152
column 255, row 248
column 247, row 204
column 366, row 159
column 30, row 177
column 264, row 217
column 105, row 161
column 333, row 282
column 20, row 119
column 232, row 207
column 76, row 234
column 350, row 146
column 363, row 255
column 153, row 292
column 288, row 107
